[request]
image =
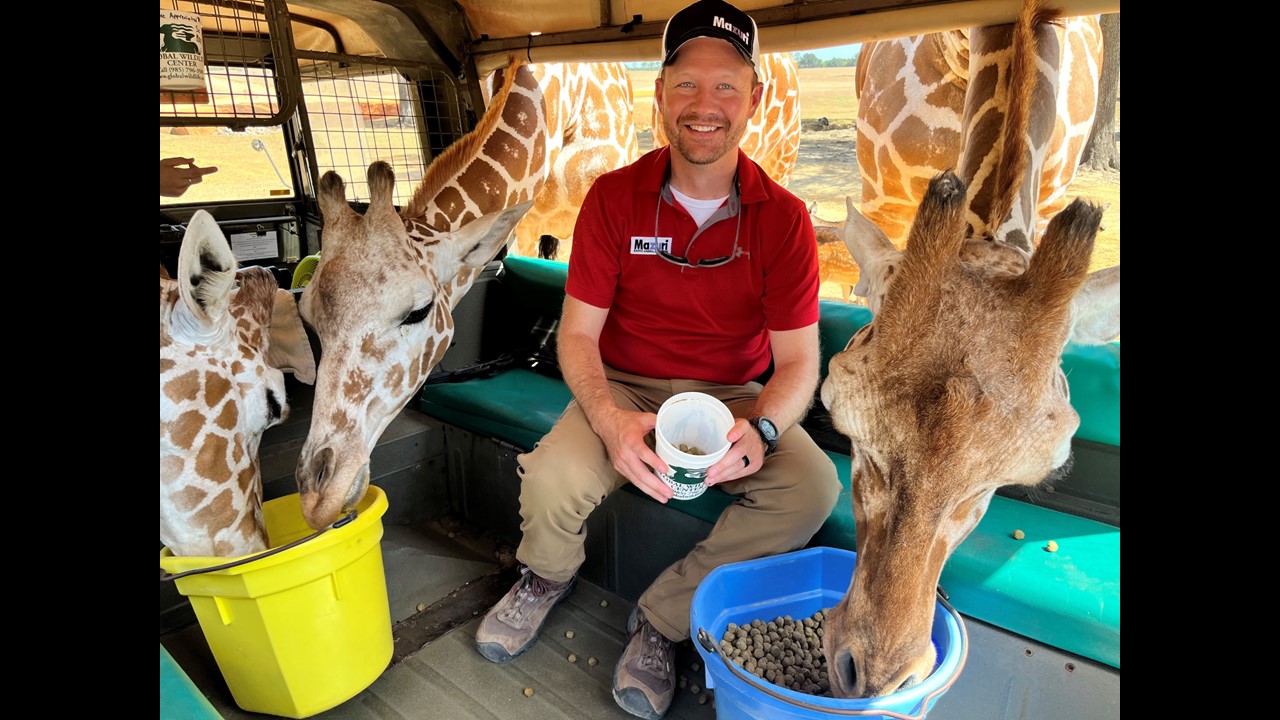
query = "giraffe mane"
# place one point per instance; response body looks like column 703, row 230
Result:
column 452, row 160
column 1022, row 83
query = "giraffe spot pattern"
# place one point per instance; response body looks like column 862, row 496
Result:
column 216, row 388
column 247, row 480
column 189, row 498
column 170, row 465
column 357, row 386
column 211, row 460
column 229, row 417
column 371, row 348
column 183, row 388
column 184, row 430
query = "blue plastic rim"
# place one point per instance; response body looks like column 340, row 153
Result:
column 799, row 584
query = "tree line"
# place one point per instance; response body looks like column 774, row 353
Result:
column 803, row 60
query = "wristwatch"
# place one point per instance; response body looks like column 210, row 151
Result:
column 768, row 433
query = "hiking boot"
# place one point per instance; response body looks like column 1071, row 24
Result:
column 643, row 680
column 512, row 625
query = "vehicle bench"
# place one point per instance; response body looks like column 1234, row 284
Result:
column 1068, row 599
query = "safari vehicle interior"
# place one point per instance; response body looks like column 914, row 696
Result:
column 304, row 87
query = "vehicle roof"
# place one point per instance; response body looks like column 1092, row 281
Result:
column 456, row 32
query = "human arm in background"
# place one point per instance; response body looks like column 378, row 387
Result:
column 175, row 179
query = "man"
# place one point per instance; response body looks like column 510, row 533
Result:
column 691, row 270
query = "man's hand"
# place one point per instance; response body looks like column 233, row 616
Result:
column 744, row 457
column 176, row 179
column 623, row 433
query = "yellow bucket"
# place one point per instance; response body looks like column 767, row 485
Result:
column 301, row 631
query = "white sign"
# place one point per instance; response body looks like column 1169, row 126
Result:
column 254, row 246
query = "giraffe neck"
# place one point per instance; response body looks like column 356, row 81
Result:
column 912, row 121
column 502, row 162
column 590, row 131
column 1009, row 116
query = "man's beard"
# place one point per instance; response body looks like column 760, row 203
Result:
column 699, row 153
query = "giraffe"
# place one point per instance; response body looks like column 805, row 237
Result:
column 835, row 264
column 221, row 387
column 912, row 119
column 955, row 388
column 772, row 137
column 590, row 131
column 382, row 297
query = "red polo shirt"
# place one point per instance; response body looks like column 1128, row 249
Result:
column 710, row 324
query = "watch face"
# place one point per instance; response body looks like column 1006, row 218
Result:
column 767, row 429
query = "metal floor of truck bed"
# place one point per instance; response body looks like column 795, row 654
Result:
column 436, row 673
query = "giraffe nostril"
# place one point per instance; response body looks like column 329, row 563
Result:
column 321, row 469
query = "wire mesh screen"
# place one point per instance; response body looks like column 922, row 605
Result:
column 226, row 51
column 362, row 109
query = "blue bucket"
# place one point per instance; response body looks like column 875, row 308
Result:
column 800, row 584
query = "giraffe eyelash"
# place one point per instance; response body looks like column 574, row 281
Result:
column 418, row 315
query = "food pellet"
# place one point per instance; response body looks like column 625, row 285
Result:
column 573, row 658
column 422, row 606
column 783, row 651
column 691, row 449
column 695, row 667
column 568, row 634
column 702, row 699
column 695, row 689
column 1052, row 546
column 604, row 603
column 452, row 535
column 1018, row 534
column 528, row 692
column 592, row 661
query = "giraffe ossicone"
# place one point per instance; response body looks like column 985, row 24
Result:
column 221, row 387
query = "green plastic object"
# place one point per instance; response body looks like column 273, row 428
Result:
column 180, row 699
column 305, row 270
column 1093, row 373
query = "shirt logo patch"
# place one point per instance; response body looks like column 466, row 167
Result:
column 649, row 245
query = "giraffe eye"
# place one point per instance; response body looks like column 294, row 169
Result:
column 418, row 315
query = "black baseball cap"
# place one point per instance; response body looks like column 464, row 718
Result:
column 712, row 18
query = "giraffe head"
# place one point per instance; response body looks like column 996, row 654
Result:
column 381, row 303
column 218, row 393
column 953, row 390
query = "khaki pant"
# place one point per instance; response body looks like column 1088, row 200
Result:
column 568, row 474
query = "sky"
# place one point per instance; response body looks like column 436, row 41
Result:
column 839, row 51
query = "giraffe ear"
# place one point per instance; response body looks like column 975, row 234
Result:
column 479, row 240
column 873, row 252
column 290, row 347
column 206, row 271
column 1095, row 310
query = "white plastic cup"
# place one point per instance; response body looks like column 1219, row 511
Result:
column 695, row 420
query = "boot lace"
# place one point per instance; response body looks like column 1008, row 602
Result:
column 655, row 652
column 529, row 594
